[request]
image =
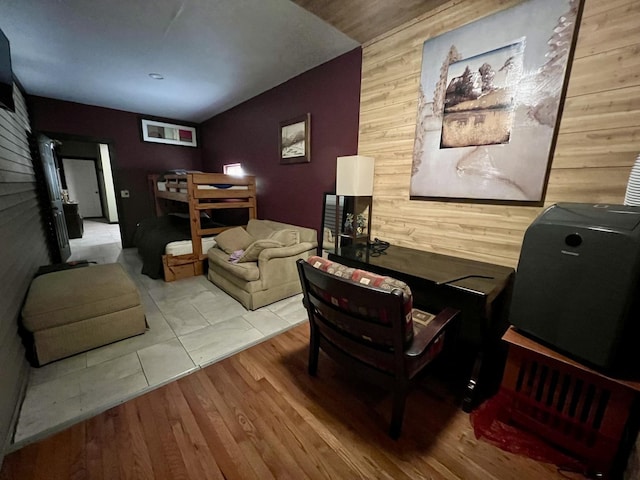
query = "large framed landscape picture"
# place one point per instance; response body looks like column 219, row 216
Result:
column 489, row 104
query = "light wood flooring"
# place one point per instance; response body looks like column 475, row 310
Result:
column 258, row 414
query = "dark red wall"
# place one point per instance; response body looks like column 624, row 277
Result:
column 249, row 134
column 132, row 158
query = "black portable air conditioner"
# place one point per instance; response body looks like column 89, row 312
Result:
column 577, row 284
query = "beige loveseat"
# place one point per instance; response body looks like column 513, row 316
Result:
column 257, row 265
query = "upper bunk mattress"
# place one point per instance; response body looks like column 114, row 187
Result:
column 185, row 247
column 162, row 187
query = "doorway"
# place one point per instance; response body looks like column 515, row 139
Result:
column 82, row 185
column 87, row 178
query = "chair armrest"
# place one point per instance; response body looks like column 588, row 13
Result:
column 283, row 252
column 278, row 265
column 427, row 335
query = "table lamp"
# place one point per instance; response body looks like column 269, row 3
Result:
column 354, row 178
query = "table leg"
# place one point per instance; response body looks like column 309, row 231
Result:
column 470, row 393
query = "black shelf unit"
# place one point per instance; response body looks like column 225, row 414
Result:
column 354, row 232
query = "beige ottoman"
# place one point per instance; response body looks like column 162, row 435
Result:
column 75, row 310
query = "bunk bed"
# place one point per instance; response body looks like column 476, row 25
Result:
column 203, row 193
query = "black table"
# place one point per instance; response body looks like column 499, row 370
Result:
column 73, row 219
column 481, row 291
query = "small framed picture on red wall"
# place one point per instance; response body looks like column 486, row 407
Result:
column 294, row 142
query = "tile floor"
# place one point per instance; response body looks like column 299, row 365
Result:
column 192, row 323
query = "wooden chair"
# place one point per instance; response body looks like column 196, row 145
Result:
column 371, row 329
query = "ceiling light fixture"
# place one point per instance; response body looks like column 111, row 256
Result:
column 156, row 76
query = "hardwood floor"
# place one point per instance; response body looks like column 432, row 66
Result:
column 258, row 414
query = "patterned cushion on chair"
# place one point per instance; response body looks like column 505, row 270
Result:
column 363, row 277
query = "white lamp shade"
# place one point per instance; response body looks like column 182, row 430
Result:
column 354, row 176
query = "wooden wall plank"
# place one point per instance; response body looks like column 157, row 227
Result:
column 597, row 8
column 14, row 139
column 613, row 108
column 364, row 19
column 24, row 249
column 591, row 185
column 9, row 164
column 393, row 68
column 572, row 147
column 13, row 177
column 389, row 116
column 610, row 29
column 610, row 70
column 14, row 126
column 449, row 16
column 587, row 159
column 12, row 143
column 598, row 137
column 391, row 92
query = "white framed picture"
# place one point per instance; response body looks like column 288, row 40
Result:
column 160, row 132
column 489, row 104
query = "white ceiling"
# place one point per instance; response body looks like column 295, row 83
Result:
column 213, row 54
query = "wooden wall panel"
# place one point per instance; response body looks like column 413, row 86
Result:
column 23, row 250
column 364, row 19
column 598, row 140
column 614, row 108
column 412, row 35
column 615, row 27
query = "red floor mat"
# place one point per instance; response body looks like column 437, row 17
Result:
column 488, row 425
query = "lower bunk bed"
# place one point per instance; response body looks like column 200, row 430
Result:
column 167, row 236
column 174, row 245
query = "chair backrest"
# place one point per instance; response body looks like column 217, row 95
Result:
column 366, row 316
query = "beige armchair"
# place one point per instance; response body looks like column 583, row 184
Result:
column 257, row 265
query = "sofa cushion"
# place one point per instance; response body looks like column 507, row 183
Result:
column 259, row 229
column 363, row 277
column 234, row 239
column 69, row 296
column 247, row 271
column 286, row 237
column 264, row 228
column 253, row 251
